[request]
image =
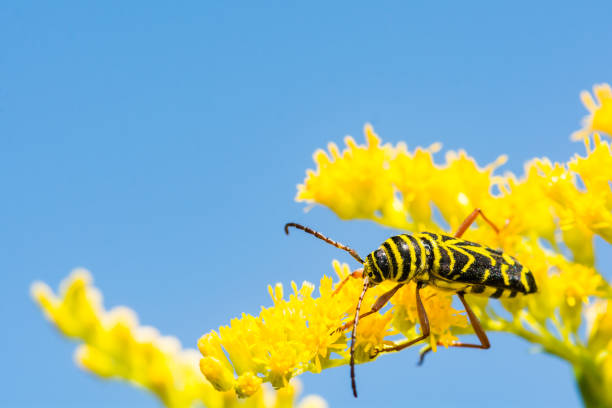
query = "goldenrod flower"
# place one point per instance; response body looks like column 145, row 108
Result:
column 360, row 168
column 114, row 345
column 548, row 218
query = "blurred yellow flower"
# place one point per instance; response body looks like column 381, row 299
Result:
column 600, row 117
column 116, row 346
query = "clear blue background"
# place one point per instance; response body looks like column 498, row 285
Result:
column 160, row 146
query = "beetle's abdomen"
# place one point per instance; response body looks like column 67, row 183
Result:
column 460, row 265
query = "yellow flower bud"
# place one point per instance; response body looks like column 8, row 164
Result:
column 220, row 377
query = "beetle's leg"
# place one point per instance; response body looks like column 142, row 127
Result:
column 379, row 304
column 482, row 336
column 470, row 220
column 423, row 320
column 358, row 274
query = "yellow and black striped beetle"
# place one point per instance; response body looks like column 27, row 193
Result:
column 443, row 261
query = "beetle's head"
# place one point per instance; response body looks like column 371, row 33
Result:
column 376, row 267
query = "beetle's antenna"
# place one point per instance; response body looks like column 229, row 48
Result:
column 366, row 284
column 351, row 251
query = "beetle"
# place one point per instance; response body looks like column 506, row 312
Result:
column 446, row 262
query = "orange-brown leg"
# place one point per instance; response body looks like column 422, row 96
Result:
column 482, row 336
column 470, row 220
column 379, row 304
column 423, row 320
column 358, row 274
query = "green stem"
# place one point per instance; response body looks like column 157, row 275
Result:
column 592, row 389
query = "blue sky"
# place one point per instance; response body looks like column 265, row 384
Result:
column 159, row 146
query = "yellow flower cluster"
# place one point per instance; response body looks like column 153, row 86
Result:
column 299, row 334
column 386, row 183
column 548, row 218
column 399, row 188
column 114, row 345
